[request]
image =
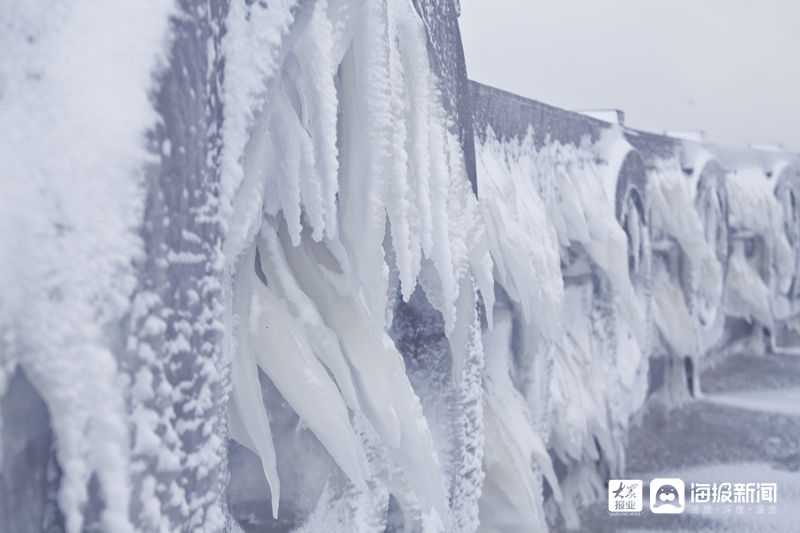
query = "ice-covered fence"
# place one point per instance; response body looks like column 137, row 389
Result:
column 446, row 54
column 109, row 279
column 356, row 250
column 681, row 256
column 285, row 268
column 583, row 371
column 690, row 250
column 762, row 293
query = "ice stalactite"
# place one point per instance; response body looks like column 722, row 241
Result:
column 292, row 352
column 688, row 276
column 762, row 260
column 452, row 402
column 392, row 124
column 670, row 192
column 711, row 202
column 786, row 301
column 516, row 457
column 523, row 240
column 755, row 208
column 672, row 315
column 357, row 174
column 524, row 245
column 748, row 295
column 625, row 251
column 551, row 220
column 787, row 192
column 593, row 396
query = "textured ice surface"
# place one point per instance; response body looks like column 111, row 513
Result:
column 73, row 120
column 275, row 266
column 362, row 184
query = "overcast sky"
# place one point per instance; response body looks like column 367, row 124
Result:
column 729, row 67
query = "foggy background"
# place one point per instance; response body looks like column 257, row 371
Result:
column 729, row 67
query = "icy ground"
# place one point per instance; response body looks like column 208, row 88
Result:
column 745, row 429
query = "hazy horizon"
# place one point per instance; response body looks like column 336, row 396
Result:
column 727, row 67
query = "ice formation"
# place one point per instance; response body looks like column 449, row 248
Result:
column 573, row 238
column 757, row 211
column 343, row 211
column 292, row 271
column 73, row 120
column 689, row 268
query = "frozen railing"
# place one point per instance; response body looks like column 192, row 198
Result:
column 715, row 271
column 314, row 279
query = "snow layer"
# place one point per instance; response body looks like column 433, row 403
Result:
column 74, row 110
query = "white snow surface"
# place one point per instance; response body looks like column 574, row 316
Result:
column 783, row 401
column 74, row 111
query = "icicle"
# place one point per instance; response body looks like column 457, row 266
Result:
column 746, row 294
column 522, row 239
column 511, row 442
column 284, row 353
column 248, row 406
column 323, row 341
column 754, row 208
column 674, row 213
column 380, row 373
column 252, row 48
column 315, row 54
column 672, row 316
